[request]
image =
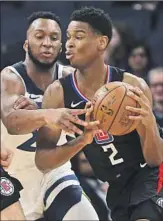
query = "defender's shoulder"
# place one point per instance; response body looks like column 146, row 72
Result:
column 10, row 78
column 67, row 70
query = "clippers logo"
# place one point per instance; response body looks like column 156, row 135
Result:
column 103, row 137
column 6, row 187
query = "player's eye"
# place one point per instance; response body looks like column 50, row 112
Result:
column 39, row 36
column 79, row 37
column 54, row 38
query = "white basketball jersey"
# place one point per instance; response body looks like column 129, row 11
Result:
column 23, row 164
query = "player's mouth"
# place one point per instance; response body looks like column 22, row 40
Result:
column 47, row 54
column 69, row 55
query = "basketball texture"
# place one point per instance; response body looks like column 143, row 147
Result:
column 110, row 103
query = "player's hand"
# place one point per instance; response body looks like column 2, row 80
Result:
column 144, row 112
column 25, row 103
column 93, row 126
column 66, row 119
column 6, row 156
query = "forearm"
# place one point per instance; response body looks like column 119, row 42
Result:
column 13, row 212
column 24, row 121
column 48, row 159
column 153, row 146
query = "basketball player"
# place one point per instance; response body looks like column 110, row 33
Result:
column 31, row 78
column 130, row 163
column 10, row 187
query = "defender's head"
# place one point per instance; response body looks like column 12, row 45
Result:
column 88, row 34
column 43, row 43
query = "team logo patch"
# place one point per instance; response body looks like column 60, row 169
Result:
column 6, row 187
column 159, row 202
column 103, row 137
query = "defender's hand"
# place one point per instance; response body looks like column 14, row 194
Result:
column 25, row 103
column 66, row 119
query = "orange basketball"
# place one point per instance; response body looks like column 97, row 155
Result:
column 110, row 103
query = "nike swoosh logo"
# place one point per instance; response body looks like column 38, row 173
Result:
column 142, row 165
column 32, row 96
column 75, row 105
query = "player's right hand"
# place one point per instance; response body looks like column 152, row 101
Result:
column 93, row 126
column 66, row 119
column 6, row 155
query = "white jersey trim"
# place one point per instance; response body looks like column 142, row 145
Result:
column 17, row 73
column 60, row 71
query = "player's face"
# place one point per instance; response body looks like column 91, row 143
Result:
column 156, row 85
column 44, row 42
column 81, row 45
column 138, row 59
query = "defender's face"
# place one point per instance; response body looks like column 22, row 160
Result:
column 81, row 45
column 44, row 40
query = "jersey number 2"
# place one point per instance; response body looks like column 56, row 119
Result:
column 113, row 154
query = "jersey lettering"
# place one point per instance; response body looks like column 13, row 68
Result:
column 113, row 154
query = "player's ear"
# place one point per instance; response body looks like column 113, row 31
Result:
column 103, row 42
column 25, row 45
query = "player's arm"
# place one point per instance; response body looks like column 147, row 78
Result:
column 48, row 154
column 18, row 121
column 151, row 141
column 13, row 212
column 23, row 121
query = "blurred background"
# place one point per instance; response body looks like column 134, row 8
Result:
column 136, row 46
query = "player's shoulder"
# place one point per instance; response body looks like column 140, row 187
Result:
column 135, row 81
column 54, row 88
column 8, row 75
column 66, row 70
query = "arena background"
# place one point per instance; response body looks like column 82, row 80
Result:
column 144, row 21
column 144, row 18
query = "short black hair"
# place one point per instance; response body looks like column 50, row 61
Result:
column 96, row 18
column 43, row 14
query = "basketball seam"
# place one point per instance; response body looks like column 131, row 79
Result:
column 103, row 99
column 119, row 106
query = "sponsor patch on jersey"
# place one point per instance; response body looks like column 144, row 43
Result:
column 6, row 186
column 103, row 137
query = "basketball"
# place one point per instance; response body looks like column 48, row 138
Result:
column 110, row 103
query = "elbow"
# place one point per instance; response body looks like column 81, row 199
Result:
column 155, row 163
column 11, row 131
column 10, row 126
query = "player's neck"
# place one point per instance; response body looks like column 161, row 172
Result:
column 41, row 78
column 91, row 78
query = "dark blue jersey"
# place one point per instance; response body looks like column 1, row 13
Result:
column 110, row 156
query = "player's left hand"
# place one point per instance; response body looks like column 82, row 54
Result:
column 144, row 112
column 25, row 103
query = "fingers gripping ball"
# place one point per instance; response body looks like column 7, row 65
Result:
column 110, row 103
